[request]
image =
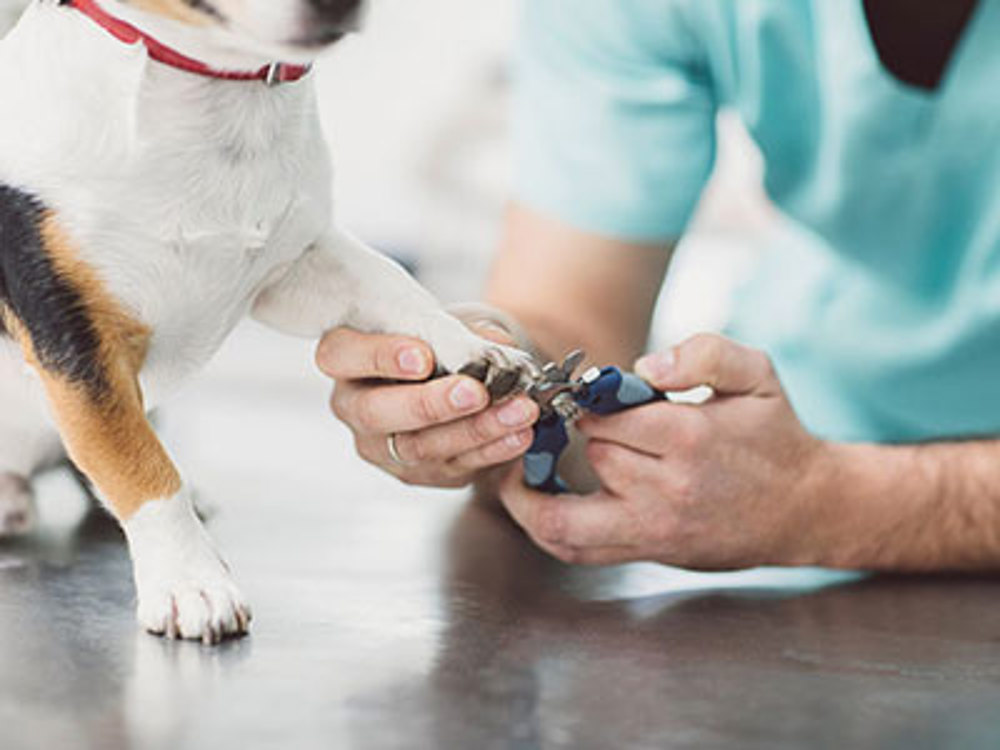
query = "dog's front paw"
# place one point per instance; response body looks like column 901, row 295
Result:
column 504, row 369
column 203, row 605
column 17, row 505
column 184, row 588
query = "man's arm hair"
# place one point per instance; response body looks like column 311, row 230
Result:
column 908, row 508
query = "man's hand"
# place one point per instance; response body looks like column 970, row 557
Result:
column 445, row 430
column 721, row 485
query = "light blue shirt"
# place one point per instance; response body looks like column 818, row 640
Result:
column 883, row 313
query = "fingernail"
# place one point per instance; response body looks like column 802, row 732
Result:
column 515, row 414
column 466, row 396
column 656, row 367
column 412, row 361
column 517, row 440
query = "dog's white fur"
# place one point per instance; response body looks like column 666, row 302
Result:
column 195, row 202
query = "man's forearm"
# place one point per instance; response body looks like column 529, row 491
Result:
column 573, row 289
column 905, row 508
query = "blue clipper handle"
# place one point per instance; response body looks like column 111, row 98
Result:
column 612, row 391
column 603, row 392
column 542, row 459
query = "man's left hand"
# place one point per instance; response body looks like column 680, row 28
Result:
column 726, row 484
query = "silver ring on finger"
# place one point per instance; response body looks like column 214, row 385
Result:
column 393, row 449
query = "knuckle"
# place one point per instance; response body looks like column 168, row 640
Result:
column 337, row 354
column 692, row 436
column 706, row 342
column 684, row 490
column 454, row 475
column 766, row 364
column 340, row 401
column 364, row 448
column 412, row 447
column 410, row 479
column 498, row 452
column 606, row 458
column 709, row 348
column 337, row 404
column 365, row 413
column 326, row 357
column 383, row 361
column 426, row 406
column 479, row 430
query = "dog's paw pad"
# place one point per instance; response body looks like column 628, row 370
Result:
column 17, row 505
column 206, row 612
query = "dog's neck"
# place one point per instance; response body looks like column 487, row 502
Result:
column 216, row 48
column 273, row 74
column 244, row 118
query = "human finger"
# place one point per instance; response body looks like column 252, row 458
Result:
column 346, row 354
column 569, row 520
column 656, row 429
column 464, row 438
column 729, row 368
column 498, row 452
column 623, row 472
column 389, row 409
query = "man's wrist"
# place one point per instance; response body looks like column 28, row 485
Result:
column 838, row 517
column 806, row 536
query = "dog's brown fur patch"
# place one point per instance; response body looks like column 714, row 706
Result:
column 106, row 433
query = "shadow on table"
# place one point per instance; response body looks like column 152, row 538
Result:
column 528, row 660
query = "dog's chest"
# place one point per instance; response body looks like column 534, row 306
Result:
column 190, row 229
column 207, row 255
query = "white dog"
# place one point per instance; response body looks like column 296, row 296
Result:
column 161, row 176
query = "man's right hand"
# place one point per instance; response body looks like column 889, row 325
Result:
column 445, row 430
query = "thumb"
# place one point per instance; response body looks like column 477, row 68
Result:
column 730, row 369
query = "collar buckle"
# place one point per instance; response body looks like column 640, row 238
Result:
column 275, row 75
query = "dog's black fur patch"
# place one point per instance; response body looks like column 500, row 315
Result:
column 49, row 307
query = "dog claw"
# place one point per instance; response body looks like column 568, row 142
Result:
column 503, row 383
column 476, row 370
column 209, row 615
column 503, row 371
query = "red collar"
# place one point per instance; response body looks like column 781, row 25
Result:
column 272, row 75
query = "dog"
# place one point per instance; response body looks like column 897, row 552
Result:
column 162, row 176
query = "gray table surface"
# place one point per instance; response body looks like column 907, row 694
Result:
column 389, row 617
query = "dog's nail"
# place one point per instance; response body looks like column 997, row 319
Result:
column 504, row 382
column 476, row 370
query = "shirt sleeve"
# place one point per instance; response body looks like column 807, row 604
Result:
column 613, row 116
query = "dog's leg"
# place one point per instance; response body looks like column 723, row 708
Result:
column 184, row 588
column 88, row 353
column 340, row 281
